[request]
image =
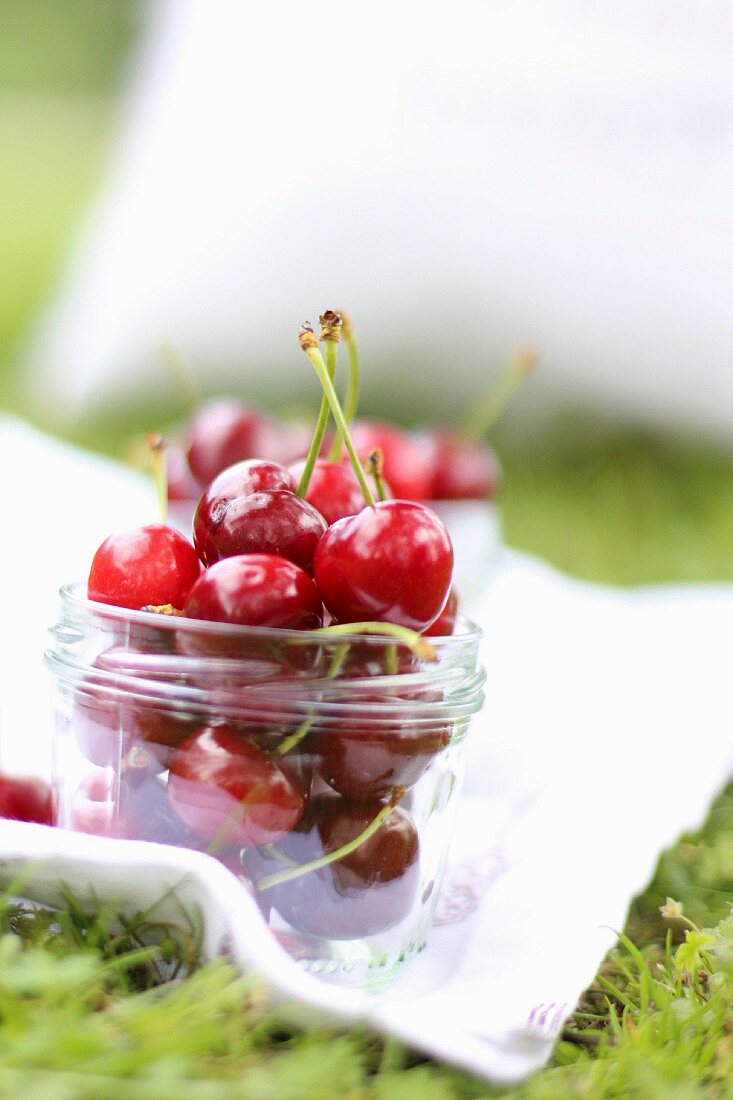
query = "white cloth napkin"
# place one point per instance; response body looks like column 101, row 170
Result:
column 553, row 171
column 578, row 775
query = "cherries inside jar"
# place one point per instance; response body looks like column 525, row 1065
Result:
column 321, row 768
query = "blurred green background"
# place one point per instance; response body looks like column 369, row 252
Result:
column 602, row 500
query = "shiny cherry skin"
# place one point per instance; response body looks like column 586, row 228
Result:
column 332, row 490
column 364, row 893
column 273, row 521
column 151, row 565
column 390, row 563
column 445, row 623
column 256, row 590
column 407, row 458
column 463, row 470
column 112, row 730
column 225, row 431
column 212, row 525
column 25, row 798
column 182, row 485
column 228, row 790
column 368, row 763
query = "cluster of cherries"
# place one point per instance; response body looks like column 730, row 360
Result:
column 438, row 464
column 315, row 817
column 338, row 542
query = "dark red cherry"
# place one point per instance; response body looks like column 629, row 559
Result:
column 226, row 431
column 463, row 470
column 25, row 798
column 273, row 521
column 250, row 476
column 390, row 563
column 151, row 565
column 256, row 590
column 182, row 485
column 114, row 731
column 445, row 623
column 407, row 459
column 332, row 490
column 368, row 762
column 228, row 790
column 364, row 893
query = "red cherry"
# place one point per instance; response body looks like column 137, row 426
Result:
column 151, row 565
column 463, row 470
column 27, row 799
column 333, row 489
column 368, row 762
column 226, row 789
column 445, row 623
column 274, row 521
column 256, row 590
column 226, row 431
column 182, row 485
column 390, row 563
column 110, row 730
column 362, row 894
column 407, row 459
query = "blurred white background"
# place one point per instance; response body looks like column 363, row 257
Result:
column 461, row 177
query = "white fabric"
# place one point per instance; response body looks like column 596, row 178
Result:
column 462, row 178
column 579, row 774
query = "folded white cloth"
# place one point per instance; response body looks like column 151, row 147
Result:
column 577, row 777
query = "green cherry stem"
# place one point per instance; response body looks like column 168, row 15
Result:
column 375, row 467
column 159, row 469
column 333, row 857
column 330, row 330
column 351, row 401
column 290, row 742
column 183, row 374
column 487, row 413
column 419, row 645
column 309, row 344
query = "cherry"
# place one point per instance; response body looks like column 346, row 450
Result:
column 147, row 566
column 273, row 521
column 445, row 623
column 226, row 431
column 392, row 562
column 365, row 892
column 253, row 475
column 229, row 791
column 25, row 798
column 333, row 489
column 256, row 590
column 368, row 762
column 108, row 729
column 408, row 459
column 464, row 469
column 182, row 485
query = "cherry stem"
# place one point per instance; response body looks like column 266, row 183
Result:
column 351, row 401
column 489, row 411
column 333, row 857
column 183, row 374
column 419, row 645
column 330, row 326
column 309, row 344
column 290, row 742
column 274, row 853
column 340, row 654
column 375, row 467
column 159, row 468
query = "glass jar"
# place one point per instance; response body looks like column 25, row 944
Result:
column 322, row 769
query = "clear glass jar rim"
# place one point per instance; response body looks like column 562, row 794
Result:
column 469, row 635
